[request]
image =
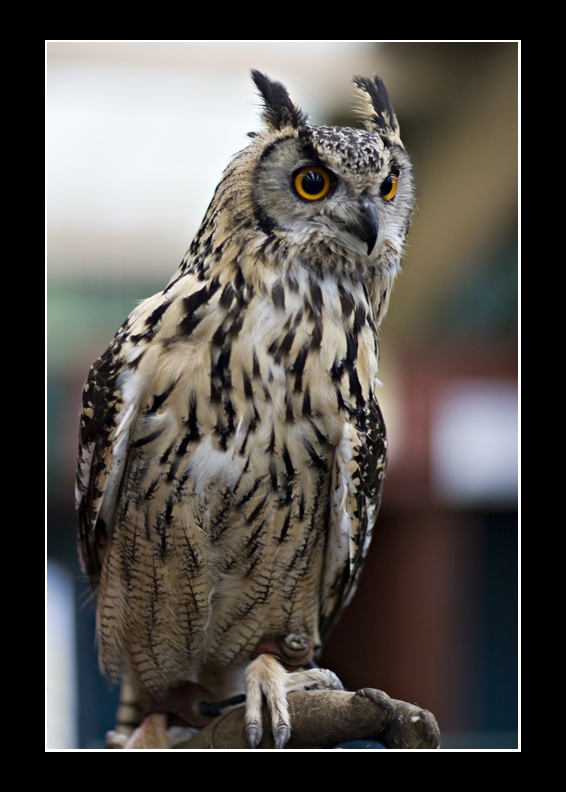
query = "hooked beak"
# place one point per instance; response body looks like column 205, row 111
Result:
column 366, row 226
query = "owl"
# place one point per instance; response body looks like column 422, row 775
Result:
column 232, row 449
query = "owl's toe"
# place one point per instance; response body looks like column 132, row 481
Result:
column 266, row 678
column 151, row 734
column 313, row 679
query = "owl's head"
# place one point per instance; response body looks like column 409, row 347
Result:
column 332, row 199
column 340, row 197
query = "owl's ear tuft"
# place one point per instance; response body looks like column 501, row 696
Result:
column 376, row 109
column 279, row 109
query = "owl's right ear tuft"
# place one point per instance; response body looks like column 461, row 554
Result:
column 279, row 109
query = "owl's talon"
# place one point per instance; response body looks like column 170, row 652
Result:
column 281, row 734
column 254, row 733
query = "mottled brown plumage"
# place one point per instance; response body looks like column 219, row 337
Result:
column 232, row 449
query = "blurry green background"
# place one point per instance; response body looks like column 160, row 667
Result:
column 138, row 135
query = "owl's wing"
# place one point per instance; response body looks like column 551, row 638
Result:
column 357, row 479
column 109, row 410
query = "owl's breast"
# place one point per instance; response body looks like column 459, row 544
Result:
column 225, row 501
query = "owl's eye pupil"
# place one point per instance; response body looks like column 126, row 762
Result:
column 312, row 183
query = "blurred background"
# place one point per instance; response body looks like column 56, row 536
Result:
column 137, row 136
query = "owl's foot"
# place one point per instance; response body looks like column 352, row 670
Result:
column 171, row 717
column 151, row 734
column 265, row 676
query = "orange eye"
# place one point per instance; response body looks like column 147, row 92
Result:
column 312, row 183
column 389, row 187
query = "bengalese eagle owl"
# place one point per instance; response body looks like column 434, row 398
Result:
column 232, row 449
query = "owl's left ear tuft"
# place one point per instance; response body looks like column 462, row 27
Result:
column 376, row 108
column 279, row 109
